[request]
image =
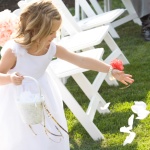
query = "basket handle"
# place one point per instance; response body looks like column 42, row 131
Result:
column 37, row 83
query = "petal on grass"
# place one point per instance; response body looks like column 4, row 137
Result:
column 130, row 121
column 129, row 138
column 143, row 114
column 135, row 108
column 125, row 129
column 105, row 106
column 140, row 103
column 140, row 109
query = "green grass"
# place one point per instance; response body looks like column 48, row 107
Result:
column 137, row 52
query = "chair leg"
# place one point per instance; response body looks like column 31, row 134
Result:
column 116, row 52
column 113, row 32
column 92, row 94
column 100, row 78
column 77, row 110
column 131, row 10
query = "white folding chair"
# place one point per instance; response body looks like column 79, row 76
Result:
column 131, row 13
column 85, row 118
column 86, row 10
column 77, row 42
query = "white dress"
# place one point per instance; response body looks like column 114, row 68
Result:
column 16, row 135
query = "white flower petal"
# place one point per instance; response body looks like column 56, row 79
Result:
column 130, row 121
column 105, row 106
column 140, row 109
column 143, row 114
column 129, row 138
column 125, row 129
column 140, row 103
column 135, row 108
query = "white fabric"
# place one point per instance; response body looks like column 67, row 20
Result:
column 14, row 134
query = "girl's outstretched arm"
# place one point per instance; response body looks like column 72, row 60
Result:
column 92, row 64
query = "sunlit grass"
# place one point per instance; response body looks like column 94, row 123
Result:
column 137, row 52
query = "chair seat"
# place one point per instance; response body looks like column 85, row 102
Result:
column 63, row 68
column 91, row 37
column 101, row 19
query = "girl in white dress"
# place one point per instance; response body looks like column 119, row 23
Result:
column 28, row 54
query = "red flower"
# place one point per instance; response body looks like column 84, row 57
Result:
column 117, row 64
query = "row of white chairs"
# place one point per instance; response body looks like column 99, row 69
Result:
column 84, row 35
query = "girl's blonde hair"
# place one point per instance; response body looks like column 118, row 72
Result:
column 36, row 22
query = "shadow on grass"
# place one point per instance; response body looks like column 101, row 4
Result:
column 95, row 146
column 108, row 124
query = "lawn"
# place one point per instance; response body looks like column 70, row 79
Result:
column 137, row 52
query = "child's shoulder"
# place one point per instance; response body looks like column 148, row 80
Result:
column 14, row 46
column 10, row 44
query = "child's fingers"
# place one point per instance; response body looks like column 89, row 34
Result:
column 123, row 81
column 18, row 74
column 16, row 78
column 129, row 80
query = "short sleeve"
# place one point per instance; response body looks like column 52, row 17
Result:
column 7, row 45
column 15, row 47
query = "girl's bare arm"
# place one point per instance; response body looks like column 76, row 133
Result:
column 7, row 62
column 92, row 64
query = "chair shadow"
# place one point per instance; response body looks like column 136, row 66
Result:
column 96, row 146
column 107, row 124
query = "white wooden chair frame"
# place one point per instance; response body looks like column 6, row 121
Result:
column 87, row 11
column 76, row 109
column 132, row 15
column 75, row 42
column 72, row 43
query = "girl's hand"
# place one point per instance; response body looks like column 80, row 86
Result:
column 122, row 77
column 16, row 78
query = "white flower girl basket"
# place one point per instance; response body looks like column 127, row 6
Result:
column 32, row 109
column 30, row 105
